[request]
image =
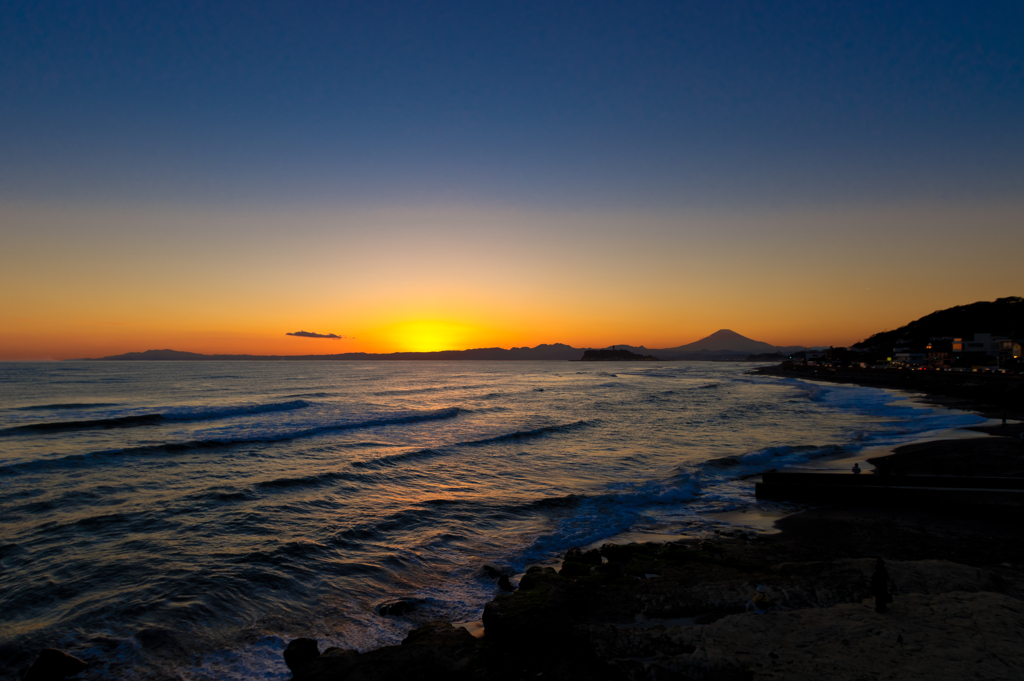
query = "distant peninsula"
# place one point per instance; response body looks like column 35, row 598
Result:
column 616, row 356
column 723, row 345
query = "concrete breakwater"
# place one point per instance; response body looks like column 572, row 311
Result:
column 910, row 490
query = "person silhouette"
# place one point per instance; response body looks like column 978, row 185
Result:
column 856, row 469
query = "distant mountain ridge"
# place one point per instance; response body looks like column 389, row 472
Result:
column 615, row 356
column 721, row 345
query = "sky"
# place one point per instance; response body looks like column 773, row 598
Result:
column 212, row 176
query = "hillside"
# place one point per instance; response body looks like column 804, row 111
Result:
column 1001, row 317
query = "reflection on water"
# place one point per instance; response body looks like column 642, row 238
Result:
column 184, row 520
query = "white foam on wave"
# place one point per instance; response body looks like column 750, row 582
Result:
column 612, row 513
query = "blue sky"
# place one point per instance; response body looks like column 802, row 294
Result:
column 208, row 176
column 656, row 104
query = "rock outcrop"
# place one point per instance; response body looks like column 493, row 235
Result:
column 300, row 653
column 642, row 612
column 434, row 651
column 52, row 665
column 924, row 637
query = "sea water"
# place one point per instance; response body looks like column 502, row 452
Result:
column 185, row 520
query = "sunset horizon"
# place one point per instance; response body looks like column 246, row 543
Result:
column 80, row 308
column 423, row 179
column 505, row 340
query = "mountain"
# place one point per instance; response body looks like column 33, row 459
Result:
column 556, row 351
column 724, row 340
column 1001, row 317
column 723, row 344
column 615, row 356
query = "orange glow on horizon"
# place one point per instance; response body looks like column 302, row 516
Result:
column 90, row 282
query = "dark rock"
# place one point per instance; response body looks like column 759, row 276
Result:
column 641, row 559
column 711, row 548
column 610, row 569
column 491, row 571
column 620, row 553
column 579, row 562
column 439, row 634
column 395, row 609
column 573, row 569
column 300, row 652
column 709, row 617
column 504, row 584
column 433, row 651
column 534, row 614
column 592, row 557
column 52, row 664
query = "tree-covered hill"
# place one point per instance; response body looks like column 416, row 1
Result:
column 1002, row 317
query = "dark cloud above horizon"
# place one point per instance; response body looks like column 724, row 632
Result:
column 310, row 334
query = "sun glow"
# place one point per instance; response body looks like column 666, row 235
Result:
column 429, row 336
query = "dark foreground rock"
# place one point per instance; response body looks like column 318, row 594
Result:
column 396, row 608
column 433, row 651
column 670, row 611
column 52, row 665
column 300, row 653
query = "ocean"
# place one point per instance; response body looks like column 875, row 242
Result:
column 185, row 520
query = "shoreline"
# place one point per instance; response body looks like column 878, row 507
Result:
column 675, row 608
column 993, row 451
column 994, row 396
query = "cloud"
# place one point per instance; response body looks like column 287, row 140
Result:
column 310, row 334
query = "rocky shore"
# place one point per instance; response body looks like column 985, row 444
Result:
column 677, row 610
